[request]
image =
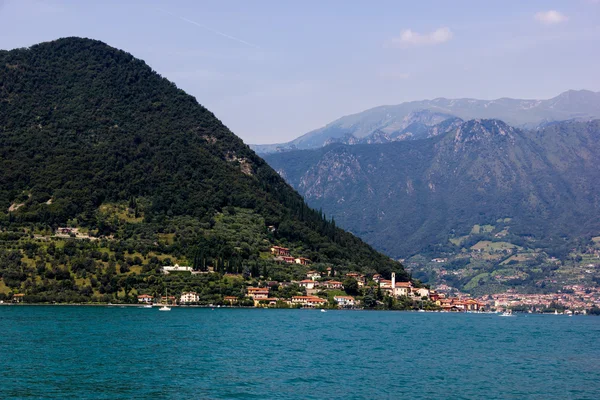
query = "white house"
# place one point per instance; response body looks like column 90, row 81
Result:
column 176, row 268
column 308, row 283
column 189, row 297
column 333, row 285
column 313, row 275
column 308, row 301
column 145, row 298
column 345, row 301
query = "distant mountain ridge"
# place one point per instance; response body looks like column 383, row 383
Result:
column 383, row 121
column 405, row 196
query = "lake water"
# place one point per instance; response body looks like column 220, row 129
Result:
column 113, row 353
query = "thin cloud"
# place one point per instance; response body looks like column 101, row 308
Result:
column 550, row 17
column 409, row 38
column 209, row 29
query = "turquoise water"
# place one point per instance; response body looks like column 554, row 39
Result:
column 112, row 353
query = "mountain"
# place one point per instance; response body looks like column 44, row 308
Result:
column 93, row 139
column 388, row 120
column 405, row 197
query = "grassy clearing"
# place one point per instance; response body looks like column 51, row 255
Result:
column 487, row 245
column 517, row 258
column 168, row 238
column 481, row 229
column 459, row 240
column 3, row 288
column 474, row 282
column 122, row 212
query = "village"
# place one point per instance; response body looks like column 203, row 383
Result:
column 325, row 290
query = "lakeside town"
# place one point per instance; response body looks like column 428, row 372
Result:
column 331, row 289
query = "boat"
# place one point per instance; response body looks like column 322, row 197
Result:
column 322, row 310
column 147, row 306
column 507, row 314
column 165, row 306
column 555, row 312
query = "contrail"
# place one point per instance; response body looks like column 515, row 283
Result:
column 209, row 29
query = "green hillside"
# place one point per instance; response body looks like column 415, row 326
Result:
column 92, row 138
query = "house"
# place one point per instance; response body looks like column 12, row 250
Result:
column 447, row 304
column 377, row 278
column 439, row 260
column 280, row 251
column 189, row 297
column 333, row 285
column 302, row 261
column 145, row 298
column 308, row 283
column 18, row 297
column 420, row 292
column 230, row 299
column 175, row 268
column 258, row 293
column 167, row 300
column 65, row 231
column 308, row 301
column 328, row 271
column 345, row 301
column 314, row 275
column 473, row 305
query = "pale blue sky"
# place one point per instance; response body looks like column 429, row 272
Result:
column 273, row 70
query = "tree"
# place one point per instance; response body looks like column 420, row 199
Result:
column 351, row 286
column 369, row 301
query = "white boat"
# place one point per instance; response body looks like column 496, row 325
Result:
column 507, row 314
column 165, row 306
column 322, row 310
column 147, row 306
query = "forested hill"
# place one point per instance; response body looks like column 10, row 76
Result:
column 87, row 130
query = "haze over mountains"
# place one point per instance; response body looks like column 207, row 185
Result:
column 405, row 196
column 411, row 120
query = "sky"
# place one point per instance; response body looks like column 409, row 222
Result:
column 272, row 70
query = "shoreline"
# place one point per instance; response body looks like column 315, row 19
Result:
column 264, row 308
